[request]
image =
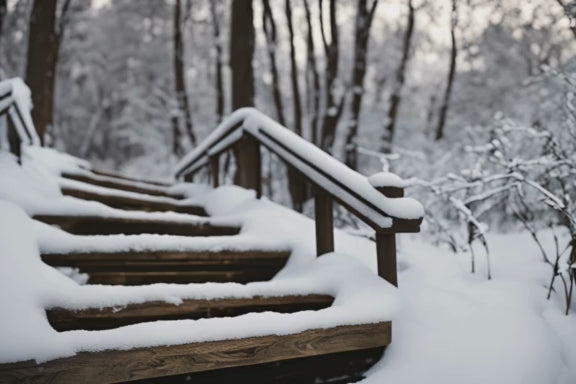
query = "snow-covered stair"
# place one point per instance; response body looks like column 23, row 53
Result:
column 252, row 298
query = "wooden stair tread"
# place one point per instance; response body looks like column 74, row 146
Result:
column 142, row 363
column 101, row 225
column 124, row 185
column 133, row 203
column 107, row 318
column 121, row 176
column 179, row 267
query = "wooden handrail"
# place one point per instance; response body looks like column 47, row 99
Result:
column 21, row 129
column 384, row 209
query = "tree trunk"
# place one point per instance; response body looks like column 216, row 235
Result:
column 294, row 72
column 241, row 54
column 396, row 97
column 269, row 25
column 296, row 184
column 333, row 107
column 3, row 10
column 41, row 63
column 312, row 78
column 451, row 73
column 364, row 17
column 179, row 80
column 219, row 85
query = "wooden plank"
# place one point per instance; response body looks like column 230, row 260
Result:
column 110, row 182
column 324, row 217
column 107, row 318
column 224, row 256
column 116, row 175
column 97, row 225
column 180, row 277
column 142, row 363
column 133, row 203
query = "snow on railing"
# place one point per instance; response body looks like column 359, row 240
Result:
column 15, row 104
column 383, row 207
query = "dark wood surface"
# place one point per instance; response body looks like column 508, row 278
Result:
column 116, row 366
column 110, row 182
column 334, row 368
column 97, row 225
column 107, row 318
column 324, row 218
column 133, row 203
column 123, row 177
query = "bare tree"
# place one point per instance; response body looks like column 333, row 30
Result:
column 570, row 12
column 451, row 73
column 44, row 41
column 3, row 10
column 400, row 78
column 269, row 25
column 219, row 84
column 294, row 72
column 333, row 104
column 179, row 78
column 241, row 54
column 312, row 77
column 364, row 16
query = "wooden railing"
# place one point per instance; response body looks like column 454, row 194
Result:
column 18, row 128
column 384, row 209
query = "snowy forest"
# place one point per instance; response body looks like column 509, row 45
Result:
column 471, row 102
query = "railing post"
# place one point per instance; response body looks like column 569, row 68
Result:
column 189, row 177
column 386, row 257
column 324, row 217
column 248, row 164
column 386, row 241
column 14, row 141
column 215, row 170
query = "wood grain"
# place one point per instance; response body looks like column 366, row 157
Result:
column 133, row 203
column 117, row 366
column 97, row 225
column 110, row 182
column 107, row 318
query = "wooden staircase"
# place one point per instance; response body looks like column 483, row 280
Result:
column 334, row 353
column 251, row 358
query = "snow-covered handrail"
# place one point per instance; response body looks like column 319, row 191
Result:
column 15, row 102
column 247, row 128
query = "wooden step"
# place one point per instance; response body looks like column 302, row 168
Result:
column 120, row 176
column 334, row 368
column 123, row 185
column 144, row 363
column 133, row 203
column 108, row 318
column 182, row 267
column 99, row 225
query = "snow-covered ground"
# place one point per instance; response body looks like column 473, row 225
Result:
column 450, row 326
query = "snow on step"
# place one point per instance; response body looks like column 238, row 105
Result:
column 110, row 182
column 28, row 287
column 111, row 317
column 129, row 200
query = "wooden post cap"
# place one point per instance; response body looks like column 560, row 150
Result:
column 388, row 183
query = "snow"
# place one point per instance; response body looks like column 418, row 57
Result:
column 341, row 180
column 386, row 179
column 23, row 100
column 28, row 286
column 457, row 327
column 450, row 326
